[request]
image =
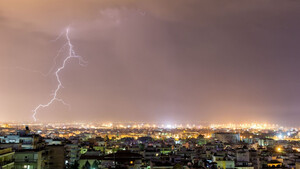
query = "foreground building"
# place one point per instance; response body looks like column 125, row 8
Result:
column 6, row 158
column 30, row 159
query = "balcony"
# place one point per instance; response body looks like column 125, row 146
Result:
column 4, row 163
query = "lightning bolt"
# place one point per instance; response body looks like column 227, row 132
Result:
column 71, row 55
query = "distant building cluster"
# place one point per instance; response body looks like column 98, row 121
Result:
column 48, row 147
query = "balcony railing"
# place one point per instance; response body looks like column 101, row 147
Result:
column 26, row 161
column 5, row 163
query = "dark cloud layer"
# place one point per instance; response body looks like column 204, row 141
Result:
column 166, row 61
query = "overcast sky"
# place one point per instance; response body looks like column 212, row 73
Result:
column 153, row 60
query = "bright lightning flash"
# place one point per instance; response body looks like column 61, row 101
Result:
column 71, row 55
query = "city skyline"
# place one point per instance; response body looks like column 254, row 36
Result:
column 152, row 61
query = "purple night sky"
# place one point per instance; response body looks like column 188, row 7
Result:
column 153, row 60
